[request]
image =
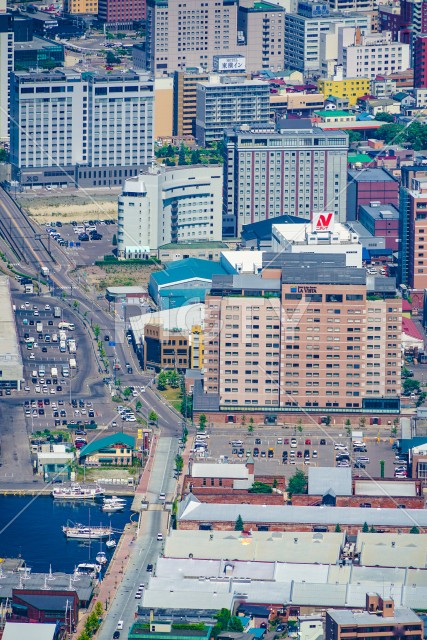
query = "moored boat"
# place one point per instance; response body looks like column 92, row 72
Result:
column 83, row 532
column 75, row 491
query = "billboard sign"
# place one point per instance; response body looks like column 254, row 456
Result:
column 229, row 63
column 323, row 221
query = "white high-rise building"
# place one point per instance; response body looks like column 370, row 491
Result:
column 169, row 204
column 80, row 129
column 375, row 54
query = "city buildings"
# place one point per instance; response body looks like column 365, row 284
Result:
column 227, row 102
column 170, row 204
column 6, row 68
column 412, row 266
column 116, row 449
column 303, row 31
column 81, row 7
column 381, row 221
column 373, row 55
column 420, row 62
column 123, row 13
column 306, row 334
column 315, row 236
column 184, row 101
column 348, row 88
column 80, row 129
column 370, row 185
column 293, row 169
column 381, row 616
column 209, row 35
column 38, row 53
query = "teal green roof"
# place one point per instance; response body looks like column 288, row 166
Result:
column 186, row 270
column 359, row 157
column 108, row 441
column 333, row 113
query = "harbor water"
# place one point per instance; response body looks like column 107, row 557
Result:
column 31, row 528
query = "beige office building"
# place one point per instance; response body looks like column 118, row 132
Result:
column 81, row 7
column 306, row 335
column 180, row 36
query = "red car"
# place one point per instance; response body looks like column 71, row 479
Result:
column 299, row 454
column 308, row 441
column 286, row 441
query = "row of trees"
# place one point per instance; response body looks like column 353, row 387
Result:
column 93, row 622
column 414, row 135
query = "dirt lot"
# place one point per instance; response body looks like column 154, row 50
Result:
column 121, row 275
column 66, row 207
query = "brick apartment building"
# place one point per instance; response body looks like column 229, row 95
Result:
column 121, row 12
column 380, row 620
column 370, row 185
column 304, row 335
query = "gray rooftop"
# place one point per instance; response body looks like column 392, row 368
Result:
column 34, row 631
column 321, row 480
column 246, row 282
column 381, row 212
column 371, row 175
column 10, row 353
column 401, row 615
column 36, row 44
column 191, row 509
column 57, row 582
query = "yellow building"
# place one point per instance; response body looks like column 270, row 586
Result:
column 197, row 347
column 81, row 7
column 350, row 88
column 163, row 102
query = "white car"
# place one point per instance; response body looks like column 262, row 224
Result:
column 27, row 304
column 26, row 388
column 45, row 390
column 338, row 446
column 135, row 393
column 36, row 313
column 47, row 307
column 37, row 389
column 160, row 537
column 131, row 419
column 32, row 356
column 22, row 306
column 52, row 391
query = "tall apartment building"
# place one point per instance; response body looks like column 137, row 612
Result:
column 380, row 619
column 412, row 265
column 90, row 129
column 370, row 185
column 81, row 7
column 121, row 12
column 303, row 31
column 229, row 102
column 295, row 169
column 180, row 36
column 420, row 62
column 169, row 204
column 373, row 55
column 6, row 68
column 304, row 335
column 184, row 101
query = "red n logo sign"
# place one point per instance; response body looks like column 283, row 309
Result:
column 323, row 221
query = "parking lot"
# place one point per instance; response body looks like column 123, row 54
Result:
column 84, row 252
column 276, row 453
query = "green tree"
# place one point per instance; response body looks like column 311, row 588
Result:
column 153, row 417
column 96, row 330
column 354, row 136
column 416, row 135
column 127, row 392
column 362, row 422
column 243, row 420
column 391, row 133
column 111, row 58
column 226, row 622
column 297, row 483
column 260, row 487
column 99, row 610
column 114, row 241
column 348, row 427
column 238, row 525
column 382, row 464
column 384, row 117
column 251, row 425
column 410, row 386
column 337, row 528
column 138, row 405
column 173, row 379
column 179, row 463
column 421, row 399
column 202, row 421
column 235, row 624
column 181, row 155
column 162, row 381
column 186, row 408
column 365, row 527
column 372, row 529
column 84, row 636
column 195, row 156
column 414, row 529
column 171, row 151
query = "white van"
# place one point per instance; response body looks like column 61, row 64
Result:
column 236, row 443
column 200, row 436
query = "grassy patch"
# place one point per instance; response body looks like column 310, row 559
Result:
column 173, row 396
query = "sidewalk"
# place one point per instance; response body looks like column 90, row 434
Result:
column 105, row 591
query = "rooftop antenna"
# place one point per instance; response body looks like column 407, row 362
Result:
column 45, row 586
column 75, row 577
column 50, row 576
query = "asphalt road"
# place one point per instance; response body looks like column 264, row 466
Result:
column 146, row 549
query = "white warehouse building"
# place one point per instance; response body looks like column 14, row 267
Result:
column 169, row 204
column 317, row 238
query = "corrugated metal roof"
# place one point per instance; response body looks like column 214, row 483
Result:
column 323, row 479
column 384, row 488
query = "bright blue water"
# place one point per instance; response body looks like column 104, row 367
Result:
column 31, row 527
